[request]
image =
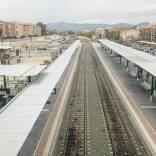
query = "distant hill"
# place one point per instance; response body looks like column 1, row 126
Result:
column 64, row 26
column 122, row 25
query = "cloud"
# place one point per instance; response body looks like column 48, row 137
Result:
column 109, row 11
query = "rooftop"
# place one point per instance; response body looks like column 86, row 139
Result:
column 143, row 60
column 19, row 116
column 21, row 70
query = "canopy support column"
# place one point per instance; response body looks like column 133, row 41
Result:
column 110, row 52
column 29, row 79
column 4, row 80
column 152, row 89
column 155, row 86
column 139, row 73
column 127, row 62
column 120, row 59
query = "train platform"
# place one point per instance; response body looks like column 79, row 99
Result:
column 139, row 98
column 19, row 116
column 95, row 121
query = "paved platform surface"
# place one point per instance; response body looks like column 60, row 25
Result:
column 19, row 115
column 31, row 142
column 133, row 87
column 89, row 125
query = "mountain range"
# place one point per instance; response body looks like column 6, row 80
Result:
column 65, row 26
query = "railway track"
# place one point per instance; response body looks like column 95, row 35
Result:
column 74, row 140
column 96, row 124
column 123, row 135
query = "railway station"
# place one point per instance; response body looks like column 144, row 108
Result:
column 76, row 106
column 142, row 65
column 16, row 77
column 78, row 78
column 19, row 115
column 145, row 46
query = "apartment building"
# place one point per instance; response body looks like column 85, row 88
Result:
column 118, row 34
column 99, row 33
column 153, row 32
column 17, row 29
column 10, row 29
column 148, row 33
column 36, row 30
column 2, row 29
column 130, row 35
column 112, row 34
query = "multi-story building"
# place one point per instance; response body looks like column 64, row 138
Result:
column 145, row 33
column 2, row 29
column 27, row 30
column 99, row 33
column 10, row 29
column 112, row 34
column 148, row 33
column 118, row 34
column 17, row 29
column 153, row 32
column 130, row 35
column 36, row 30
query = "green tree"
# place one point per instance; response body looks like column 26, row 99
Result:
column 43, row 28
column 1, row 32
column 70, row 32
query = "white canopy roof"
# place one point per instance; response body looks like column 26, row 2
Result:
column 5, row 48
column 21, row 70
column 142, row 59
column 151, row 43
column 18, row 118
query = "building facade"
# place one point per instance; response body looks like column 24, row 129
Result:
column 111, row 34
column 17, row 29
column 130, row 35
column 148, row 33
column 2, row 29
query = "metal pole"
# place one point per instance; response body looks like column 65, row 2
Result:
column 29, row 79
column 127, row 65
column 138, row 74
column 4, row 80
column 155, row 86
column 152, row 89
column 120, row 59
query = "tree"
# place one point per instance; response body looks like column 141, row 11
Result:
column 43, row 28
column 1, row 33
column 70, row 32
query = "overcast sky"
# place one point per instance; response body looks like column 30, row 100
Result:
column 96, row 11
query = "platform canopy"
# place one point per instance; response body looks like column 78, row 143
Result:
column 5, row 47
column 20, row 114
column 146, row 42
column 21, row 70
column 144, row 60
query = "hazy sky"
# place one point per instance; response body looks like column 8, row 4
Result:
column 106, row 11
